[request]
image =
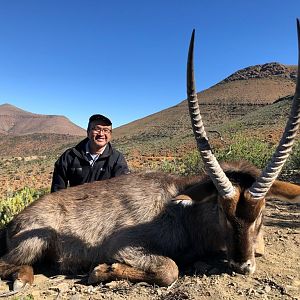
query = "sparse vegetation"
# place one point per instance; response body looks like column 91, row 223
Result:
column 15, row 203
column 247, row 148
column 292, row 167
column 188, row 165
column 241, row 148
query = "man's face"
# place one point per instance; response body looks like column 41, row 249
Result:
column 99, row 134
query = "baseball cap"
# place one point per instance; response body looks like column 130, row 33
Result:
column 102, row 119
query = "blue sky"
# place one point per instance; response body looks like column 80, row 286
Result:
column 127, row 59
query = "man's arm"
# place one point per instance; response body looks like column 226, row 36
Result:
column 120, row 167
column 59, row 178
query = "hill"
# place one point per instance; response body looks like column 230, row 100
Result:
column 15, row 121
column 244, row 93
column 255, row 98
column 242, row 104
column 236, row 95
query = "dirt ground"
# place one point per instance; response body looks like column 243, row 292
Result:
column 277, row 275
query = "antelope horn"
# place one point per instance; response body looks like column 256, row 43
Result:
column 264, row 182
column 214, row 170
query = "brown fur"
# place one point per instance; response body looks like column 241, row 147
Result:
column 138, row 227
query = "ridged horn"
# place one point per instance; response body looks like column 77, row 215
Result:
column 264, row 182
column 214, row 170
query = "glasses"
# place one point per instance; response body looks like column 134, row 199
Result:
column 99, row 129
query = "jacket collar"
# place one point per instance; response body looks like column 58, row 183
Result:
column 80, row 149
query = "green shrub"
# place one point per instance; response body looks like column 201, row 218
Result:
column 246, row 148
column 294, row 160
column 15, row 203
column 293, row 163
column 188, row 165
column 241, row 148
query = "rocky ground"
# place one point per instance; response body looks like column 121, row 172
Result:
column 277, row 275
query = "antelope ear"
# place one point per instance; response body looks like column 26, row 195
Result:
column 182, row 199
column 284, row 191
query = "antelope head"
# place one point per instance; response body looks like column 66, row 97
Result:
column 241, row 205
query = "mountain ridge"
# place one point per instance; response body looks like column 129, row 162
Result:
column 233, row 98
column 15, row 121
column 228, row 99
column 267, row 70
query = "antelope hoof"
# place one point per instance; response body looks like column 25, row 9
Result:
column 18, row 285
column 100, row 273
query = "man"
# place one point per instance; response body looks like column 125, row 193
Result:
column 92, row 159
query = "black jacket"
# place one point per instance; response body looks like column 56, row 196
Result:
column 73, row 168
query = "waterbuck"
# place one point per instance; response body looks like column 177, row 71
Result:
column 141, row 226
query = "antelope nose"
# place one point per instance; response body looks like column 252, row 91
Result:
column 246, row 268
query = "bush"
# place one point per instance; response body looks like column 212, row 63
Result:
column 15, row 203
column 246, row 148
column 293, row 163
column 188, row 165
column 241, row 148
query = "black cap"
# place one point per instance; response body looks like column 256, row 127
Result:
column 102, row 119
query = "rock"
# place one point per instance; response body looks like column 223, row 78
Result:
column 3, row 287
column 61, row 287
column 36, row 294
column 90, row 289
column 39, row 279
column 263, row 71
column 75, row 297
column 291, row 289
column 267, row 289
column 296, row 282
